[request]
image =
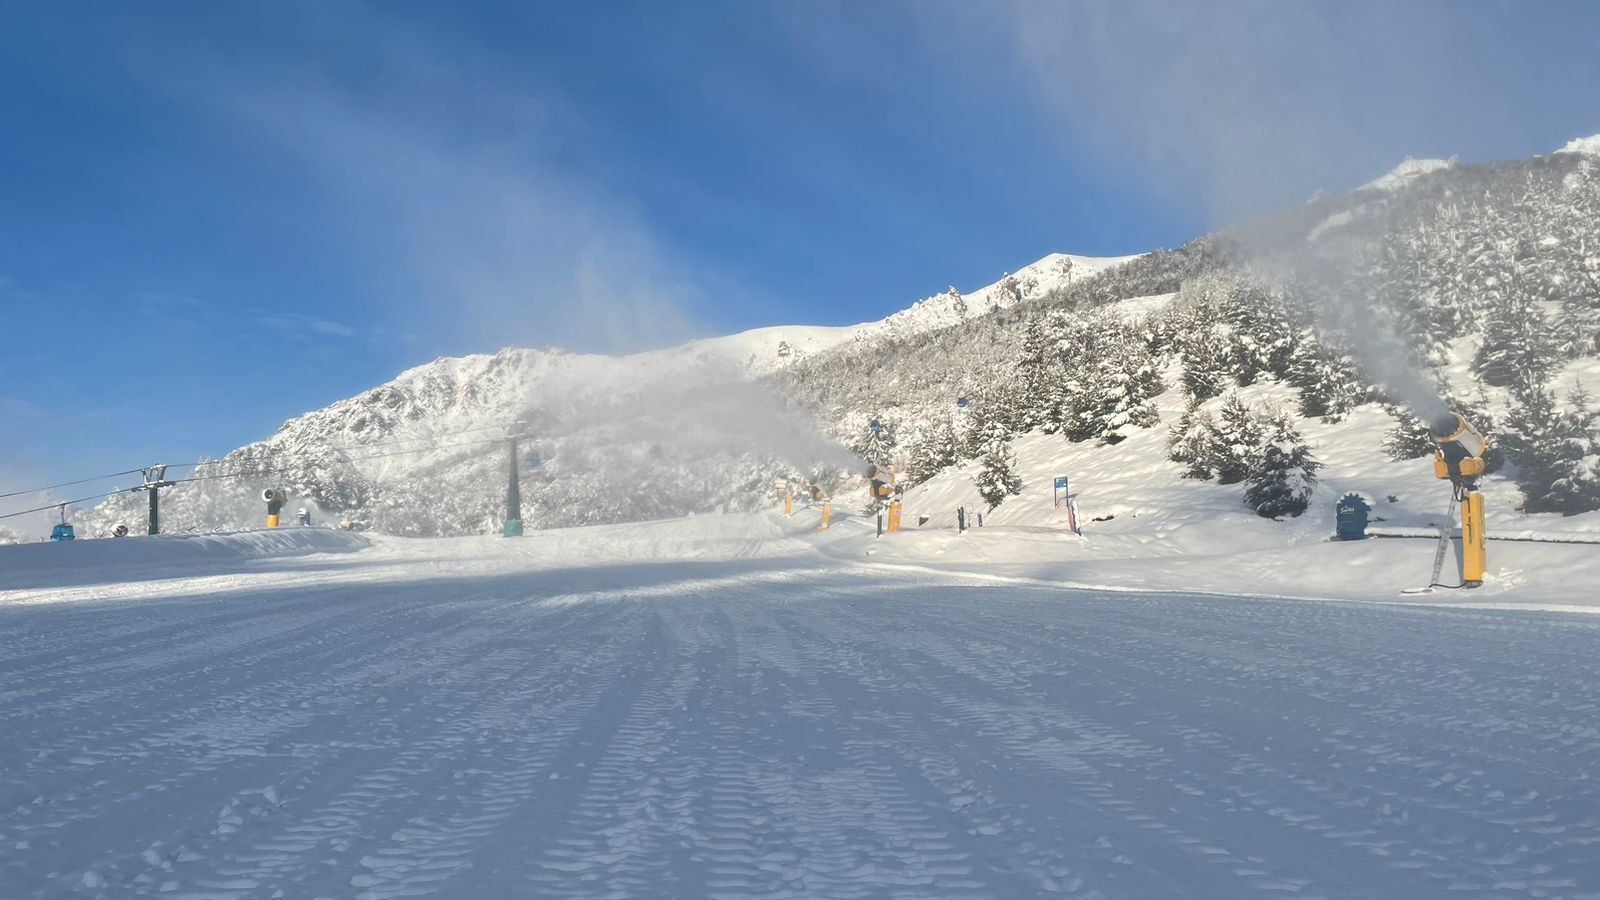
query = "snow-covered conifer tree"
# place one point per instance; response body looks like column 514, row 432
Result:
column 1192, row 442
column 933, row 451
column 1328, row 382
column 997, row 478
column 1205, row 365
column 1519, row 346
column 876, row 447
column 1410, row 438
column 1556, row 452
column 1237, row 437
column 1285, row 472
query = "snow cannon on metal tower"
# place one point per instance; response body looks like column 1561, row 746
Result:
column 1459, row 459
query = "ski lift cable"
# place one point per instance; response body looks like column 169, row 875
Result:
column 51, row 487
column 256, row 472
column 63, row 503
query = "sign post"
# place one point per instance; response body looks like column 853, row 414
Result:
column 1067, row 501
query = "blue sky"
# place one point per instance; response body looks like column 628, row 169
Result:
column 216, row 216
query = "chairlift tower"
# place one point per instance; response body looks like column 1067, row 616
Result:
column 513, row 524
column 154, row 480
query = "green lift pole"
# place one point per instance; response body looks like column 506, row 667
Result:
column 513, row 526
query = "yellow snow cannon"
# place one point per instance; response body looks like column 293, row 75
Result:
column 1459, row 460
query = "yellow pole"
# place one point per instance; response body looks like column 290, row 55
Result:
column 788, row 505
column 1472, row 540
column 894, row 518
column 827, row 510
column 272, row 520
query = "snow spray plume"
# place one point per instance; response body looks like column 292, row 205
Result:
column 720, row 409
column 1323, row 271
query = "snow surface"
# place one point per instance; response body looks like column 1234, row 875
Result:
column 172, row 555
column 734, row 706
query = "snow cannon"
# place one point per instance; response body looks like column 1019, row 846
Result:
column 881, row 489
column 785, row 495
column 885, row 490
column 275, row 498
column 1460, row 454
column 818, row 495
column 1459, row 460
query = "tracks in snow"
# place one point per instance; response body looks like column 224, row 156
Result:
column 752, row 729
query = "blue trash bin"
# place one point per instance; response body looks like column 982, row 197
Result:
column 1350, row 517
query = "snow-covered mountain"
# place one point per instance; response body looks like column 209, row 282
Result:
column 648, row 435
column 1441, row 282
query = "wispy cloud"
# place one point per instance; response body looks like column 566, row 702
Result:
column 449, row 188
column 297, row 325
column 1242, row 104
column 170, row 310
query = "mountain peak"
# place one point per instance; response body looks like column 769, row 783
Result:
column 1589, row 145
column 1409, row 170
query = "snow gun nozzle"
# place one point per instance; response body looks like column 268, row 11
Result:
column 1446, row 425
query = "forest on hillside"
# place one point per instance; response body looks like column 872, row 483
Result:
column 1470, row 288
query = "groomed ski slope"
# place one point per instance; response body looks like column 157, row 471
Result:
column 712, row 708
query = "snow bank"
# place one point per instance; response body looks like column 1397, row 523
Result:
column 77, row 562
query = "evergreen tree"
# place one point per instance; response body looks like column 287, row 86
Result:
column 1127, row 397
column 984, row 418
column 1519, row 346
column 1193, row 442
column 933, row 452
column 1205, row 366
column 1555, row 451
column 1283, row 476
column 997, row 479
column 1236, row 439
column 1260, row 341
column 1328, row 383
column 876, row 447
column 1033, row 367
column 993, row 430
column 1116, row 395
column 1051, row 401
column 1410, row 438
